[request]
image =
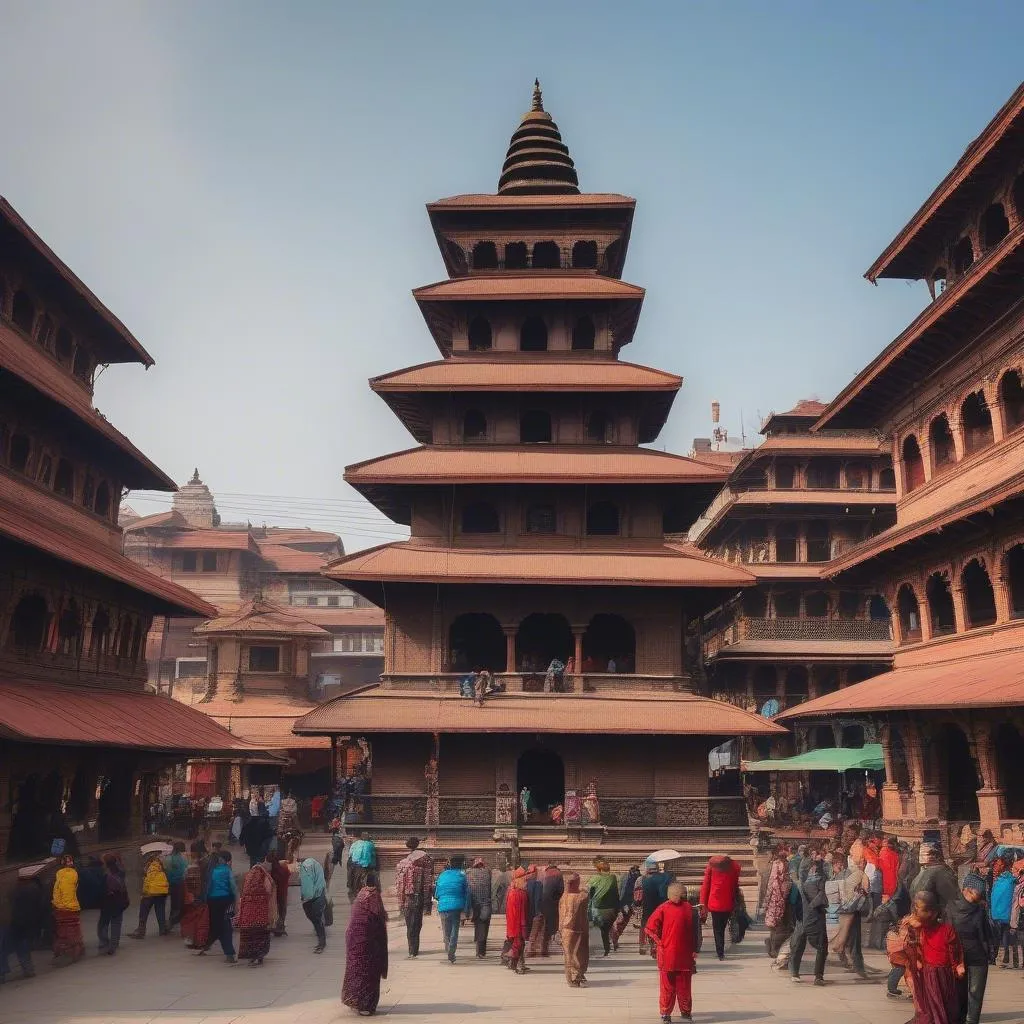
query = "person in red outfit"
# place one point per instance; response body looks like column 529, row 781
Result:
column 935, row 962
column 673, row 930
column 889, row 865
column 718, row 894
column 517, row 920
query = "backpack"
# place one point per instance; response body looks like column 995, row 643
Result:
column 117, row 892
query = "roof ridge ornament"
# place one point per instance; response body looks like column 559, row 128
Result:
column 538, row 97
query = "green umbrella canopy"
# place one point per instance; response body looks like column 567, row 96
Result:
column 827, row 759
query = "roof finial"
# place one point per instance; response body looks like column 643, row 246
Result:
column 195, row 477
column 538, row 99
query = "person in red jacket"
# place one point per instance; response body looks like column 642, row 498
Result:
column 673, row 930
column 718, row 894
column 517, row 921
column 889, row 865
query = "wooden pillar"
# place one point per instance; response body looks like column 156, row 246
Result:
column 510, row 647
column 892, row 803
column 924, row 786
column 577, row 637
column 992, row 795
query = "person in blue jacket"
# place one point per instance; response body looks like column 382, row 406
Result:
column 454, row 902
column 1000, row 905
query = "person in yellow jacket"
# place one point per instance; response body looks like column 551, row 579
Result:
column 68, row 944
column 154, row 896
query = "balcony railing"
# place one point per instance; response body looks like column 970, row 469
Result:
column 794, row 629
column 533, row 682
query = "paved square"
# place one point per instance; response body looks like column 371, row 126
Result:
column 157, row 980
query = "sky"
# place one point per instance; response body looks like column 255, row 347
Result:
column 243, row 184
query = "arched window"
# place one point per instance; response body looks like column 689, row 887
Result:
column 476, row 640
column 102, row 506
column 858, row 476
column 1011, row 396
column 583, row 334
column 584, row 255
column 602, row 519
column 786, row 604
column 29, row 623
column 913, row 464
column 88, row 491
column 100, row 643
column 69, row 628
column 480, row 517
column 598, row 426
column 21, row 449
column 817, row 604
column 787, row 542
column 878, row 609
column 785, row 475
column 850, row 604
column 823, row 474
column 819, row 541
column 515, row 256
column 994, row 226
column 535, row 427
column 940, row 605
column 479, row 334
column 541, row 518
column 64, row 479
column 977, row 423
column 65, row 347
column 676, row 518
column 546, row 256
column 909, row 613
column 609, row 645
column 82, row 365
column 886, row 479
column 978, row 595
column 959, row 782
column 474, row 426
column 23, row 311
column 44, row 332
column 533, row 335
column 1014, row 567
column 963, row 256
column 485, row 256
column 755, row 604
column 540, row 638
column 943, row 450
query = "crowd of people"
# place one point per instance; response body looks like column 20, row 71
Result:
column 197, row 893
column 942, row 925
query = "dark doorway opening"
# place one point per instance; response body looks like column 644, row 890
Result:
column 542, row 772
column 960, row 774
column 1010, row 768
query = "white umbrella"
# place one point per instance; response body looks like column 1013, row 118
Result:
column 162, row 848
column 663, row 855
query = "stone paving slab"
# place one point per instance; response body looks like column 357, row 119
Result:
column 157, row 982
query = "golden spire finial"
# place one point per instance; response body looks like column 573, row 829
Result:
column 538, row 99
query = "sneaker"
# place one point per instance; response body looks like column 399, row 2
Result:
column 1004, row 966
column 230, row 959
column 894, row 995
column 820, row 982
column 795, row 978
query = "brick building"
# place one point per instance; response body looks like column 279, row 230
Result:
column 81, row 742
column 284, row 637
column 947, row 398
column 538, row 538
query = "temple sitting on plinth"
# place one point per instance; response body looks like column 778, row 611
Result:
column 545, row 543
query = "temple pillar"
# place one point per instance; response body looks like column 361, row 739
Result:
column 1001, row 592
column 510, row 647
column 995, row 408
column 959, row 605
column 992, row 795
column 577, row 639
column 892, row 803
column 925, row 792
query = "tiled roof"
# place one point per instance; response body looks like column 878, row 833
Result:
column 264, row 721
column 30, row 521
column 964, row 185
column 824, row 443
column 294, row 535
column 286, row 559
column 962, row 492
column 986, row 681
column 514, row 374
column 665, row 566
column 264, row 619
column 171, row 518
column 487, row 200
column 377, row 709
column 32, row 365
column 350, row 618
column 118, row 342
column 36, row 712
column 535, row 285
column 213, row 540
column 531, row 464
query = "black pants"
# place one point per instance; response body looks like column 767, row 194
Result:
column 719, row 922
column 854, row 946
column 314, row 910
column 413, row 926
column 798, row 944
column 218, row 906
column 159, row 907
column 481, row 926
column 972, row 993
column 895, row 977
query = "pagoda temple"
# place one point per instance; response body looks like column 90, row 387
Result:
column 544, row 544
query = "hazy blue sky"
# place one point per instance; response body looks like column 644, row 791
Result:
column 243, row 183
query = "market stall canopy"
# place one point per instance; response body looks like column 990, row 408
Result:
column 829, row 759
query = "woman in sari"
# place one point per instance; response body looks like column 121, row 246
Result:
column 366, row 950
column 257, row 914
column 195, row 915
column 777, row 908
column 575, row 931
column 68, row 944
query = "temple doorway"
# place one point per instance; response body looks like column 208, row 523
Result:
column 542, row 772
column 958, row 774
